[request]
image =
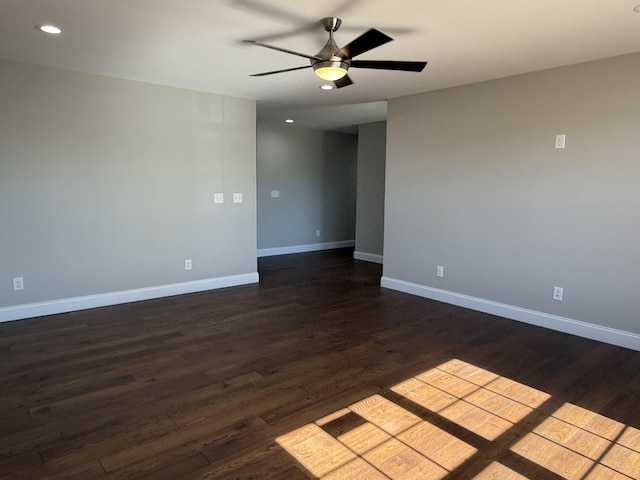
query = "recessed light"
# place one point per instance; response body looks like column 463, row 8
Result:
column 51, row 29
column 326, row 87
column 289, row 120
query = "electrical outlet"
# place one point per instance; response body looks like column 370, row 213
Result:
column 317, row 233
column 218, row 198
column 557, row 293
column 18, row 283
column 440, row 271
column 187, row 264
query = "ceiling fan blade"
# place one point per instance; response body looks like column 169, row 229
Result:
column 367, row 41
column 264, row 8
column 304, row 55
column 279, row 71
column 310, row 27
column 343, row 82
column 389, row 65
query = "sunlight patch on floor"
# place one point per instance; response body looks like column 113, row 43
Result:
column 377, row 438
column 474, row 398
column 576, row 443
column 314, row 448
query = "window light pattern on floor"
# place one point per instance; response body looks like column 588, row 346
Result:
column 379, row 439
column 576, row 443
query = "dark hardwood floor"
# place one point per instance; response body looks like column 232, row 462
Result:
column 200, row 386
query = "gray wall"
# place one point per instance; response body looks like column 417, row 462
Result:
column 474, row 184
column 106, row 185
column 315, row 173
column 372, row 141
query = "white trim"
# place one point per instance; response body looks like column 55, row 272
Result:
column 312, row 247
column 533, row 317
column 368, row 257
column 65, row 305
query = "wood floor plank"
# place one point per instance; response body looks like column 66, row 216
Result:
column 176, row 469
column 100, row 440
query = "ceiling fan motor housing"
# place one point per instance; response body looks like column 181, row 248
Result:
column 327, row 64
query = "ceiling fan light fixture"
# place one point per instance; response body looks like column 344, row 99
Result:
column 330, row 70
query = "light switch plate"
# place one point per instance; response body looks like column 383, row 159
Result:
column 218, row 198
column 237, row 198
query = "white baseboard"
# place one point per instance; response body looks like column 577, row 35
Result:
column 368, row 257
column 312, row 247
column 65, row 305
column 553, row 322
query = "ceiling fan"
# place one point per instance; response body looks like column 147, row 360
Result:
column 332, row 63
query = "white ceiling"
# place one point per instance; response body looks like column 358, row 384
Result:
column 197, row 44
